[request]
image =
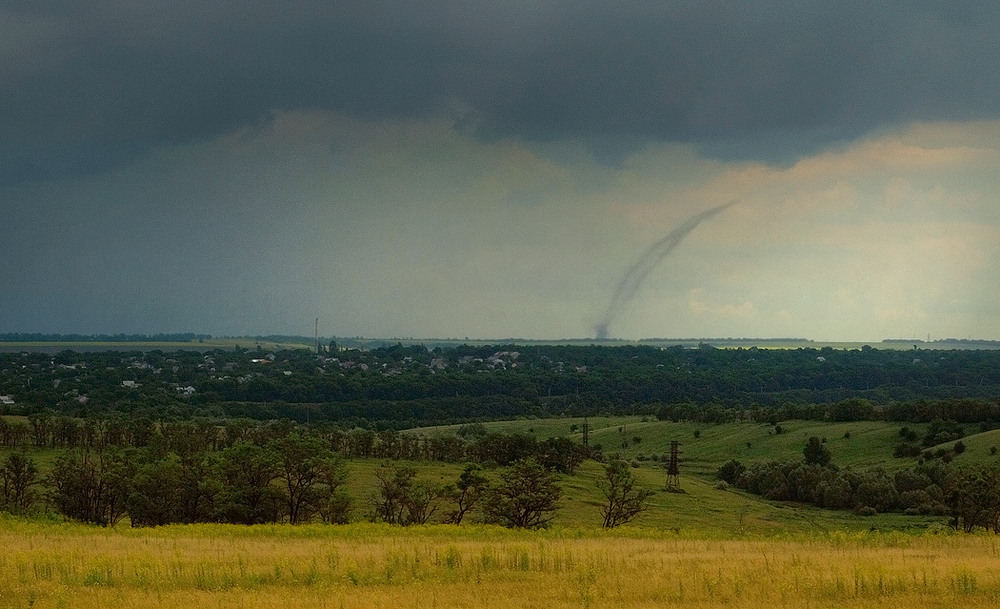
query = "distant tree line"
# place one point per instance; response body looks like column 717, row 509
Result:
column 37, row 337
column 395, row 387
column 472, row 442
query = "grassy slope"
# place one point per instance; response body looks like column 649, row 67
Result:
column 978, row 448
column 870, row 444
column 701, row 506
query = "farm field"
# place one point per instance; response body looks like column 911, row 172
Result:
column 369, row 566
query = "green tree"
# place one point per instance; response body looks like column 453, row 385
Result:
column 730, row 471
column 422, row 502
column 472, row 484
column 334, row 504
column 972, row 494
column 157, row 492
column 393, row 486
column 247, row 495
column 92, row 487
column 18, row 476
column 300, row 468
column 816, row 452
column 400, row 499
column 526, row 497
column 623, row 501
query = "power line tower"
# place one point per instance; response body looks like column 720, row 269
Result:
column 673, row 467
column 586, row 433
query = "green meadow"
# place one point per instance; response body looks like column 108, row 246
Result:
column 701, row 545
column 699, row 504
column 704, row 447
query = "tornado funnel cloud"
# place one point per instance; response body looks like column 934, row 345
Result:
column 636, row 274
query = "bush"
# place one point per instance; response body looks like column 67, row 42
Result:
column 941, row 431
column 911, row 480
column 905, row 449
column 877, row 490
column 834, row 493
column 730, row 471
column 865, row 510
column 914, row 499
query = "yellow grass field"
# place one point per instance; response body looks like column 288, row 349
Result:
column 49, row 565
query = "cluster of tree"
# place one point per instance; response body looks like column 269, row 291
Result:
column 974, row 497
column 525, row 496
column 397, row 386
column 294, row 479
column 45, row 429
column 970, row 495
column 940, row 431
column 245, row 471
column 985, row 412
column 918, row 490
column 471, row 443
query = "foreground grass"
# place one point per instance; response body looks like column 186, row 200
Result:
column 368, row 566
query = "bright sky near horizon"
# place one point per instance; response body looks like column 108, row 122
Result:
column 493, row 169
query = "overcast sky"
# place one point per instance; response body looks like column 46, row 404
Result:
column 493, row 169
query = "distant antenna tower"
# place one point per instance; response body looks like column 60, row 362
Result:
column 673, row 466
column 316, row 332
column 586, row 433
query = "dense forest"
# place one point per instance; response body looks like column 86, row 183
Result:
column 403, row 386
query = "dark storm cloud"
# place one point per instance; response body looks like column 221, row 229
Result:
column 87, row 85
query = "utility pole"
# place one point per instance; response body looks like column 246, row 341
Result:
column 673, row 467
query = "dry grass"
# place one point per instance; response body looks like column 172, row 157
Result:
column 369, row 566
